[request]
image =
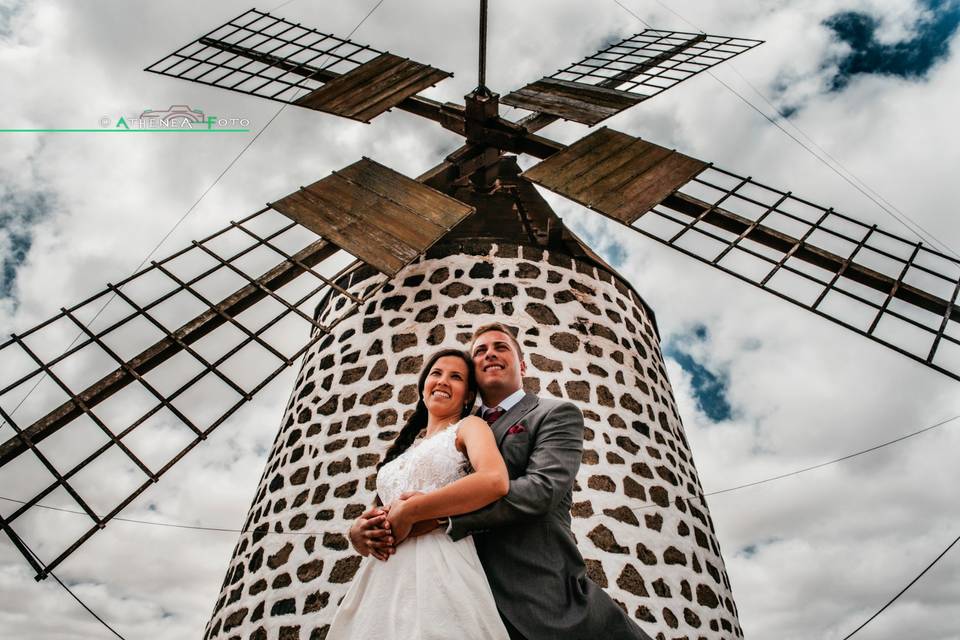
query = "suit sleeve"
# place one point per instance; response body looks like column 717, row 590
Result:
column 551, row 470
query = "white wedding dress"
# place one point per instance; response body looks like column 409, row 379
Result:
column 432, row 588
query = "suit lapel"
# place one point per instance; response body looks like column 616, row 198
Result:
column 514, row 415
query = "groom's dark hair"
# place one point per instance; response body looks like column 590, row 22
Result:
column 418, row 420
column 496, row 326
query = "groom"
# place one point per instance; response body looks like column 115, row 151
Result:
column 524, row 541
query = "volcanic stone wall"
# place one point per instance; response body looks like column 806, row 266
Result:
column 638, row 511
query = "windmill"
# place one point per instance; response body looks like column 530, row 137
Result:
column 466, row 242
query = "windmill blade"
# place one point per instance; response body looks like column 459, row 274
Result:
column 626, row 73
column 188, row 340
column 262, row 55
column 880, row 285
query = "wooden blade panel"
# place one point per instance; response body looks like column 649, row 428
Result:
column 885, row 287
column 618, row 175
column 101, row 400
column 262, row 55
column 372, row 88
column 378, row 215
column 628, row 72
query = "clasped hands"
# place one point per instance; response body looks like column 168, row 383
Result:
column 379, row 530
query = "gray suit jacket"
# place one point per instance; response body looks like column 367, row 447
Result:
column 524, row 539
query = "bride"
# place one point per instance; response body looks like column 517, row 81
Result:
column 444, row 462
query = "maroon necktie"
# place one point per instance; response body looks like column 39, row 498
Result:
column 493, row 415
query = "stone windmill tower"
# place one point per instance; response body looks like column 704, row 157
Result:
column 357, row 276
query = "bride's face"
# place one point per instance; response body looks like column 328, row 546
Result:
column 445, row 389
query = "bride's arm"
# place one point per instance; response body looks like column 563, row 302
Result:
column 488, row 482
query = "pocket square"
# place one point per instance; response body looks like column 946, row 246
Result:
column 517, row 428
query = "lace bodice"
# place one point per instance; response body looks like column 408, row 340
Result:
column 427, row 465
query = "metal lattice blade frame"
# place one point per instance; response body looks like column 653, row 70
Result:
column 183, row 344
column 878, row 284
column 262, row 55
column 626, row 73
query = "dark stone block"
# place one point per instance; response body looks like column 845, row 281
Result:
column 526, row 271
column 643, row 613
column 316, row 601
column 289, row 633
column 659, row 495
column 634, row 489
column 601, row 483
column 409, row 364
column 581, row 509
column 299, row 476
column 320, row 633
column 554, row 389
column 320, row 494
column 482, row 270
column 578, row 390
column 707, row 597
column 613, row 458
column 596, row 573
column 545, row 364
column 590, row 457
column 645, row 555
column 365, row 460
column 401, row 341
column 654, row 521
column 310, row 570
column 376, row 348
column 235, row 619
column 280, row 558
column 335, row 445
column 427, row 314
column 256, row 560
column 479, row 307
column 386, row 418
column 565, row 342
column 504, row 290
column 344, row 569
column 276, row 483
column 284, row 607
column 335, row 541
column 436, row 335
column 353, row 511
column 423, row 295
column 604, row 539
column 674, row 556
column 377, row 395
column 393, row 303
column 281, row 581
column 627, row 445
column 631, row 581
column 667, row 475
column 541, row 313
column 456, row 290
column 349, row 376
column 670, row 618
column 408, row 394
column 439, row 275
column 661, row 588
column 346, row 490
column 623, row 514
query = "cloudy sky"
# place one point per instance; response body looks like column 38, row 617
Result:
column 764, row 387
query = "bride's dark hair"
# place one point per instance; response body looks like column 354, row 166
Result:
column 418, row 420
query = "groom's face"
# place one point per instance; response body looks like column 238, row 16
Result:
column 497, row 363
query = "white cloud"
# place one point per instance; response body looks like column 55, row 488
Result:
column 831, row 545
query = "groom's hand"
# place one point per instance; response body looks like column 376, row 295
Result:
column 371, row 534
